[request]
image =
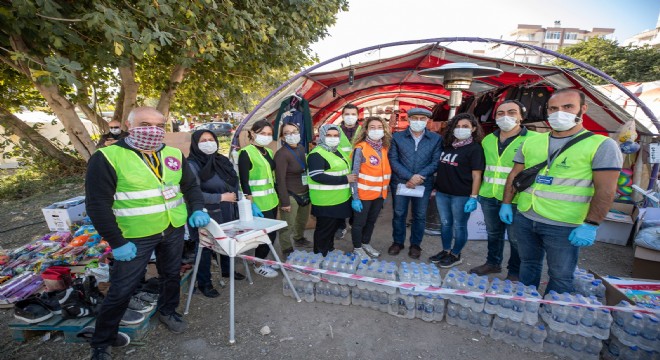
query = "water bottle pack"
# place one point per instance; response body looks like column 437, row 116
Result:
column 587, row 285
column 576, row 319
column 518, row 333
column 613, row 349
column 467, row 318
column 574, row 347
column 635, row 329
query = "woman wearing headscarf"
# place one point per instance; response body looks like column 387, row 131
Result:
column 329, row 189
column 255, row 170
column 218, row 181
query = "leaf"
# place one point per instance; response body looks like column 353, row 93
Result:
column 119, row 49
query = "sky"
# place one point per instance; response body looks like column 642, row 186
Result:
column 373, row 22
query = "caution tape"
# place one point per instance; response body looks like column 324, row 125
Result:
column 412, row 287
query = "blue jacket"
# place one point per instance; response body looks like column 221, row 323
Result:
column 406, row 161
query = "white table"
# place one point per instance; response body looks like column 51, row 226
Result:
column 232, row 239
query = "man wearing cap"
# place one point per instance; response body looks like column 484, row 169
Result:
column 414, row 156
column 499, row 148
column 136, row 194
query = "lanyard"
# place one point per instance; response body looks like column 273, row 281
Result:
column 154, row 167
column 552, row 157
column 295, row 155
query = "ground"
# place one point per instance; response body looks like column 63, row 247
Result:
column 299, row 330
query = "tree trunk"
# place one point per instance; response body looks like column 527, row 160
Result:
column 130, row 88
column 66, row 113
column 94, row 117
column 166, row 96
column 27, row 133
column 119, row 108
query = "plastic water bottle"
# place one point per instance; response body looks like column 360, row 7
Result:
column 492, row 303
column 537, row 338
column 410, row 306
column 632, row 330
column 497, row 331
column 602, row 324
column 428, row 307
column 631, row 353
column 452, row 313
column 587, row 322
column 463, row 314
column 524, row 335
column 439, row 305
column 578, row 343
column 506, row 305
column 531, row 315
column 393, row 307
column 518, row 308
column 484, row 323
column 309, row 291
column 592, row 349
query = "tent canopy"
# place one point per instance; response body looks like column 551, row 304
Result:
column 396, row 81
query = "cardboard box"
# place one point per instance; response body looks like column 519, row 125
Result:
column 618, row 224
column 646, row 264
column 641, row 292
column 613, row 295
column 60, row 215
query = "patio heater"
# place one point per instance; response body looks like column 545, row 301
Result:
column 458, row 77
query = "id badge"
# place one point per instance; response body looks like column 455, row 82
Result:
column 168, row 193
column 304, row 179
column 545, row 180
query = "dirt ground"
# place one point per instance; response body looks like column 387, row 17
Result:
column 299, row 330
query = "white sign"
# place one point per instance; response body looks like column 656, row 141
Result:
column 654, row 153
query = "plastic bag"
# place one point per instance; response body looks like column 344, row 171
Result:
column 627, row 132
column 649, row 238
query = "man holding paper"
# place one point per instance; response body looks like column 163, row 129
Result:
column 414, row 155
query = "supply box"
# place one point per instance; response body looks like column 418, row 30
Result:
column 60, row 215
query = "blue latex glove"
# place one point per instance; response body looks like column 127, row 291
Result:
column 506, row 213
column 470, row 205
column 356, row 205
column 199, row 218
column 256, row 211
column 125, row 252
column 583, row 235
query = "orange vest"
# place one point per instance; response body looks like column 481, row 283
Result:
column 375, row 173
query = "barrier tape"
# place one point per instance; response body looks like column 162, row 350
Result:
column 440, row 290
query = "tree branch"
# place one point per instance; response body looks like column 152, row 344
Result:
column 58, row 19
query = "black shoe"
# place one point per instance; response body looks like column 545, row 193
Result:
column 395, row 249
column 304, row 243
column 101, row 353
column 87, row 333
column 49, row 299
column 414, row 252
column 450, row 260
column 237, row 276
column 174, row 322
column 439, row 256
column 209, row 291
column 32, row 310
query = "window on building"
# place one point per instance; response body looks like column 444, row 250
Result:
column 553, row 35
column 553, row 47
column 530, row 36
column 570, row 36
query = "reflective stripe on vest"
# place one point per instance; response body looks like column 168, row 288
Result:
column 329, row 195
column 375, row 172
column 261, row 181
column 139, row 205
column 499, row 166
column 567, row 198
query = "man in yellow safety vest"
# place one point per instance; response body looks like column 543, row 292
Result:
column 136, row 195
column 561, row 211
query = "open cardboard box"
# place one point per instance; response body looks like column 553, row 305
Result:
column 646, row 264
column 614, row 295
column 618, row 225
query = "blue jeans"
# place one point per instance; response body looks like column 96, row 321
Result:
column 125, row 277
column 535, row 240
column 454, row 221
column 496, row 228
column 419, row 205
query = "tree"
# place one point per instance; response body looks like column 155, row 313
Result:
column 623, row 63
column 150, row 46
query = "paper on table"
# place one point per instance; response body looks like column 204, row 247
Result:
column 403, row 190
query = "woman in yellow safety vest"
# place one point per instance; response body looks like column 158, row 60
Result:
column 371, row 165
column 255, row 171
column 329, row 190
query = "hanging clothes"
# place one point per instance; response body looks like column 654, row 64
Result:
column 295, row 110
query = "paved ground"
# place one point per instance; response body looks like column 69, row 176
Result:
column 299, row 330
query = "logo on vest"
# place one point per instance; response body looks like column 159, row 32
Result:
column 172, row 163
column 373, row 160
column 563, row 164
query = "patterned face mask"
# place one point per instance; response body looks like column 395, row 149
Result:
column 146, row 138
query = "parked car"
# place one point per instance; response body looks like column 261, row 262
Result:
column 218, row 128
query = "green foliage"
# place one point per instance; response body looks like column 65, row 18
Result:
column 624, row 64
column 40, row 175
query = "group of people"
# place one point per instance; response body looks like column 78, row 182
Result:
column 140, row 194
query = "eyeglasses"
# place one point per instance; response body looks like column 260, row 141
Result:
column 114, row 127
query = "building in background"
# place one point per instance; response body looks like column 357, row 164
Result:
column 646, row 37
column 551, row 38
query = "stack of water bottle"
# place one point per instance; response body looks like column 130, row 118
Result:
column 304, row 283
column 416, row 303
column 634, row 336
column 467, row 311
column 575, row 331
column 586, row 284
column 371, row 295
column 515, row 321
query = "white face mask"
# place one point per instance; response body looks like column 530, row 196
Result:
column 263, row 140
column 506, row 123
column 350, row 120
column 208, row 147
column 462, row 133
column 417, row 125
column 376, row 134
column 332, row 141
column 562, row 121
column 292, row 139
column 115, row 131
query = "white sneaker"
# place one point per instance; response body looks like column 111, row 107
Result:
column 370, row 250
column 265, row 271
column 361, row 254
